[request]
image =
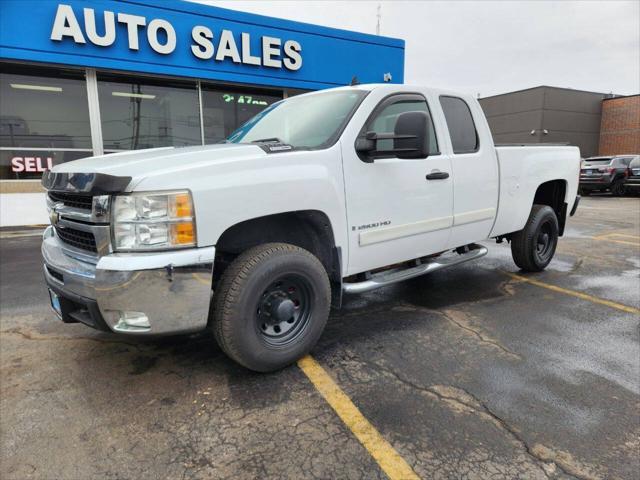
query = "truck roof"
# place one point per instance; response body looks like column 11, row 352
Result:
column 394, row 87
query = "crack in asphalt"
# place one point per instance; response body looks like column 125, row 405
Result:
column 43, row 338
column 577, row 265
column 566, row 249
column 37, row 336
column 541, row 455
column 450, row 316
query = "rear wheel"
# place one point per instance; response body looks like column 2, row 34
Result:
column 618, row 189
column 271, row 306
column 533, row 247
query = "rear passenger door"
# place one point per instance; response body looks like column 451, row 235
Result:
column 474, row 170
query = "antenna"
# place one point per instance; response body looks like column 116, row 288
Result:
column 379, row 16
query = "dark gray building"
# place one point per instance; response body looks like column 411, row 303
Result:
column 546, row 115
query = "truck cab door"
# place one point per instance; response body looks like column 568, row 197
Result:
column 474, row 169
column 394, row 212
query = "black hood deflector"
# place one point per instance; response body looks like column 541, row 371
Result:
column 92, row 183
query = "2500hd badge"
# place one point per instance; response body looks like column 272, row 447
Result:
column 371, row 225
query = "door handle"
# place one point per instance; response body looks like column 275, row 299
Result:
column 437, row 175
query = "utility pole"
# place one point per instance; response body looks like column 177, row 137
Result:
column 379, row 15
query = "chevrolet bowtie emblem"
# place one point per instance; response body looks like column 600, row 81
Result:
column 54, row 216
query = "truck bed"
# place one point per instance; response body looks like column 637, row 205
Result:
column 522, row 170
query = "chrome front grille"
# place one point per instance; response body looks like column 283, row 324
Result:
column 83, row 202
column 79, row 210
column 77, row 238
column 81, row 223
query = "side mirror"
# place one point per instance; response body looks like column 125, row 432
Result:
column 366, row 144
column 411, row 139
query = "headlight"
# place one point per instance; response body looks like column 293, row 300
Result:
column 153, row 221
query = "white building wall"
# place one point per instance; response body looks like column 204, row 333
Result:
column 23, row 209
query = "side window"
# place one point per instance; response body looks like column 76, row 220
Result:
column 462, row 130
column 620, row 162
column 384, row 121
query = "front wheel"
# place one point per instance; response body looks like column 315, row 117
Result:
column 271, row 306
column 533, row 247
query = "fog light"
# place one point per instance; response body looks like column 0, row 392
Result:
column 132, row 321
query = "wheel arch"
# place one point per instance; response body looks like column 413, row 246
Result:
column 553, row 193
column 308, row 229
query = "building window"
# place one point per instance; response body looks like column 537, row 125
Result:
column 144, row 113
column 44, row 120
column 44, row 115
column 464, row 137
column 223, row 111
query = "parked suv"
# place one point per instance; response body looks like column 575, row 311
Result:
column 604, row 173
column 632, row 184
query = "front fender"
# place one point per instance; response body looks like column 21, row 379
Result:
column 227, row 193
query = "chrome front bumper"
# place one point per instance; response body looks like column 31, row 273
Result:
column 171, row 289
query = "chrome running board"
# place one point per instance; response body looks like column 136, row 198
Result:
column 400, row 274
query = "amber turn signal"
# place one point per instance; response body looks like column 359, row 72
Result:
column 181, row 205
column 183, row 233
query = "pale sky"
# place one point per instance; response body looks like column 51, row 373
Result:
column 491, row 47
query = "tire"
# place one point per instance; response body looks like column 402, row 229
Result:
column 533, row 247
column 584, row 192
column 271, row 306
column 618, row 189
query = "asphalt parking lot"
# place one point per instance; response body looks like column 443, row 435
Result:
column 470, row 372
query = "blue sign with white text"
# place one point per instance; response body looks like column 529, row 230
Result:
column 185, row 39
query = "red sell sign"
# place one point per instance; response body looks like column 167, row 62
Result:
column 31, row 164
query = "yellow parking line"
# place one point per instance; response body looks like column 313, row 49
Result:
column 624, row 242
column 205, row 281
column 637, row 237
column 610, row 237
column 389, row 460
column 573, row 293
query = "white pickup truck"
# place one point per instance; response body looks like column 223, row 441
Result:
column 323, row 194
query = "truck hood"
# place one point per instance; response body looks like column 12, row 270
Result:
column 165, row 161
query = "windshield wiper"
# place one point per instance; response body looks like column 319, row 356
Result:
column 268, row 140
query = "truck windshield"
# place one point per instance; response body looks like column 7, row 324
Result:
column 311, row 121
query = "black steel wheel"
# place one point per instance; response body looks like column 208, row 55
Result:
column 533, row 247
column 545, row 241
column 271, row 306
column 284, row 310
